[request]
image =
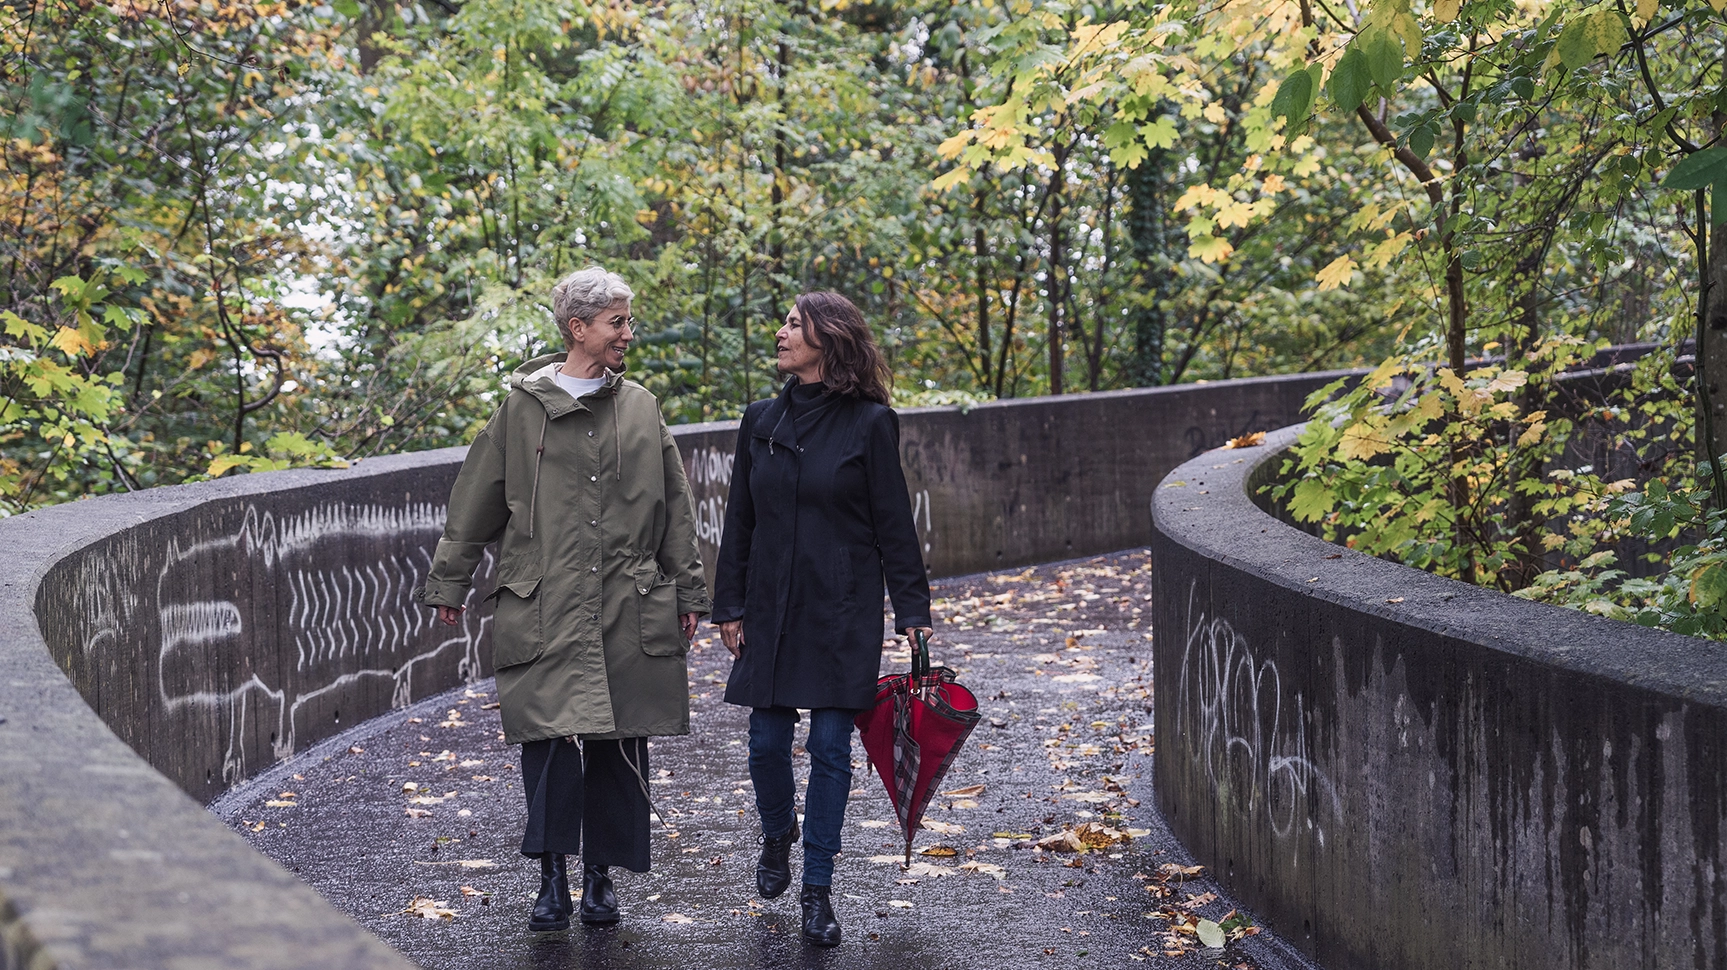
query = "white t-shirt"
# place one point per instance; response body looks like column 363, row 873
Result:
column 577, row 386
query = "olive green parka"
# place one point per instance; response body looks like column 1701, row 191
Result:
column 597, row 558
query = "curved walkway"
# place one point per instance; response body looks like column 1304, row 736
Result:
column 1060, row 656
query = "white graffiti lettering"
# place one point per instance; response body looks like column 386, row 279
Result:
column 1251, row 740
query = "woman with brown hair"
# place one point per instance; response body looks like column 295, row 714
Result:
column 818, row 519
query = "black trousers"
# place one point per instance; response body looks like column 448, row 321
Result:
column 587, row 798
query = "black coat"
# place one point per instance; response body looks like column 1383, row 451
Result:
column 818, row 518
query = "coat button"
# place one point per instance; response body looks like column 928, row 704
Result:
column 595, row 569
column 593, row 521
column 590, row 434
column 593, row 478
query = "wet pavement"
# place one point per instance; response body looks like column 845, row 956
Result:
column 410, row 822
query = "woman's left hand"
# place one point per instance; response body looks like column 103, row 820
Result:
column 687, row 623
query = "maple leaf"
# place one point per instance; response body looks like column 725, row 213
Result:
column 1336, row 273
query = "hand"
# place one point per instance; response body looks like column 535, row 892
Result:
column 911, row 634
column 451, row 615
column 732, row 635
column 687, row 623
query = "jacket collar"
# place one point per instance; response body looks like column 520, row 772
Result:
column 535, row 377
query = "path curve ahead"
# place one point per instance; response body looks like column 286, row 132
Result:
column 1060, row 657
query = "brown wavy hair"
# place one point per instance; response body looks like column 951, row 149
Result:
column 852, row 364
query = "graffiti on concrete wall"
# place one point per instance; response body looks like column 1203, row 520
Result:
column 1250, row 732
column 710, row 473
column 279, row 619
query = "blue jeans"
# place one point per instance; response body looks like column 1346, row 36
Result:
column 830, row 751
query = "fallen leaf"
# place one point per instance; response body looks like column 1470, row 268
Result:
column 417, row 813
column 1097, row 835
column 489, row 707
column 1395, row 599
column 964, row 803
column 967, row 790
column 279, row 803
column 1063, row 841
column 940, row 851
column 900, row 903
column 872, row 824
column 1210, row 934
column 677, row 918
column 356, row 750
column 926, row 869
column 471, row 891
column 988, row 869
column 943, row 828
column 426, row 907
column 885, row 860
column 1247, row 440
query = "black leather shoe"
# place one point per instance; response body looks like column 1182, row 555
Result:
column 821, row 927
column 774, row 872
column 552, row 907
column 599, row 898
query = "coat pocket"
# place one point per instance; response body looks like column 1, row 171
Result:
column 657, row 602
column 517, row 637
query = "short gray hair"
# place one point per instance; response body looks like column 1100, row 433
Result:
column 585, row 294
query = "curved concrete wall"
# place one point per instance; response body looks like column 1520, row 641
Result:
column 183, row 638
column 1399, row 770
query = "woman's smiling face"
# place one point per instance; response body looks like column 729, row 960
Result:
column 797, row 354
column 602, row 341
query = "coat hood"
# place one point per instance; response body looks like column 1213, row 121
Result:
column 536, row 377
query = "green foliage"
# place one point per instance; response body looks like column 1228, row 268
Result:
column 1689, row 596
column 1420, row 465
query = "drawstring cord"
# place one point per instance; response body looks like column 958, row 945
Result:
column 627, row 751
column 534, row 496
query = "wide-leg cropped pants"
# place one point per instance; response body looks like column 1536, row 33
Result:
column 587, row 798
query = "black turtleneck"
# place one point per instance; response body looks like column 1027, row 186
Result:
column 807, row 403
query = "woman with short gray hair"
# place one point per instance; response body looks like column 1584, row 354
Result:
column 599, row 586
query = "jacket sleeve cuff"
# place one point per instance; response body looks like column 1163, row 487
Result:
column 726, row 614
column 903, row 624
column 693, row 601
column 439, row 592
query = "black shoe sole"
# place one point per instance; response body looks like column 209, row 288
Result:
column 813, row 941
column 599, row 919
column 551, row 927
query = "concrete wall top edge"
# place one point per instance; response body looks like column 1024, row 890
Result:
column 1204, row 505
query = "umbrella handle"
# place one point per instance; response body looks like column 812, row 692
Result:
column 920, row 659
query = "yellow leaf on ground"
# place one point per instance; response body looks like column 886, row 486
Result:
column 1251, row 440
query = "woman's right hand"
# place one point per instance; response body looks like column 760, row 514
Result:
column 732, row 635
column 451, row 615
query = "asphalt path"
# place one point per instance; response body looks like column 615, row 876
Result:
column 411, row 822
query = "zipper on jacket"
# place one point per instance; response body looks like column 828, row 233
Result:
column 534, row 496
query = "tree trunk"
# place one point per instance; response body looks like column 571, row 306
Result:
column 1148, row 227
column 1057, row 276
column 1711, row 352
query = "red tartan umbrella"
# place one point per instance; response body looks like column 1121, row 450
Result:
column 912, row 734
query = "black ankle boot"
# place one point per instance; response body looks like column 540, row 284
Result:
column 774, row 872
column 552, row 907
column 821, row 927
column 599, row 898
